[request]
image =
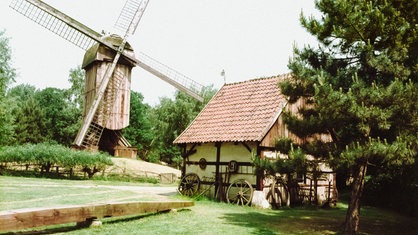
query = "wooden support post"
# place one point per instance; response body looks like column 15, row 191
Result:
column 29, row 218
column 218, row 176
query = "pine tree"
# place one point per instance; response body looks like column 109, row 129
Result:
column 362, row 83
column 30, row 123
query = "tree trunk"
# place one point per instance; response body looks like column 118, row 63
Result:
column 353, row 213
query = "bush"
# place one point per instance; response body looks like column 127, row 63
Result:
column 398, row 193
column 46, row 156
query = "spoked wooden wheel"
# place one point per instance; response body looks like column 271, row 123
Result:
column 189, row 185
column 278, row 195
column 240, row 192
column 268, row 180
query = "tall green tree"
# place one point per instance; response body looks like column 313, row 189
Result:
column 21, row 93
column 170, row 119
column 76, row 92
column 7, row 72
column 18, row 98
column 62, row 116
column 6, row 123
column 30, row 123
column 7, row 76
column 139, row 132
column 362, row 83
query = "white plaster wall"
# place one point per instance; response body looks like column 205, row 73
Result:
column 229, row 151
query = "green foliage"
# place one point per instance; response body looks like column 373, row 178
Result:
column 41, row 115
column 295, row 162
column 6, row 122
column 362, row 84
column 139, row 132
column 48, row 155
column 61, row 116
column 122, row 178
column 7, row 76
column 384, row 187
column 29, row 118
column 7, row 73
column 21, row 93
column 170, row 118
column 30, row 123
column 284, row 145
column 75, row 93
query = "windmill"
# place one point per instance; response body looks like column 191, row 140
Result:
column 108, row 62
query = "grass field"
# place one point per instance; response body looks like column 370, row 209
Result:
column 206, row 217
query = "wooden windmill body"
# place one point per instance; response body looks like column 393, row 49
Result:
column 113, row 112
column 108, row 63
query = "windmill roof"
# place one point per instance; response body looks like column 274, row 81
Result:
column 243, row 111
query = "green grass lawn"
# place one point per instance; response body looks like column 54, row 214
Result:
column 206, row 217
column 21, row 192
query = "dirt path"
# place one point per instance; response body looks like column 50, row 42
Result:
column 133, row 167
column 98, row 194
column 47, row 192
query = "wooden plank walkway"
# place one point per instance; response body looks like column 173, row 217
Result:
column 29, row 218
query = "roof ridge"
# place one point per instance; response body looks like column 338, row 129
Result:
column 283, row 75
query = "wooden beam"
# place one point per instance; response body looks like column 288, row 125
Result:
column 247, row 147
column 29, row 218
column 218, row 176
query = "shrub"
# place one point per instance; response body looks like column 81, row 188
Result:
column 46, row 156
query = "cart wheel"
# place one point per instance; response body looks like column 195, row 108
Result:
column 284, row 193
column 274, row 197
column 278, row 195
column 189, row 185
column 240, row 192
column 268, row 180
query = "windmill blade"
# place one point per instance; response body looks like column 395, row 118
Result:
column 171, row 76
column 130, row 15
column 128, row 21
column 57, row 22
column 62, row 24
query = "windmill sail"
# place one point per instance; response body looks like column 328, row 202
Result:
column 57, row 22
column 61, row 24
column 84, row 37
column 171, row 76
column 130, row 15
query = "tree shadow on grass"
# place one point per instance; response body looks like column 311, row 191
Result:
column 316, row 221
column 62, row 228
column 290, row 221
column 40, row 231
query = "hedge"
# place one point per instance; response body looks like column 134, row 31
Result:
column 48, row 155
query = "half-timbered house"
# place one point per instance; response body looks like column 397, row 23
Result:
column 241, row 121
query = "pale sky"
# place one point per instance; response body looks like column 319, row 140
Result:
column 199, row 38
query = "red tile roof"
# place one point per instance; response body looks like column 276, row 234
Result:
column 243, row 111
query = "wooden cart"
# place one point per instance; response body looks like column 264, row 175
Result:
column 239, row 192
